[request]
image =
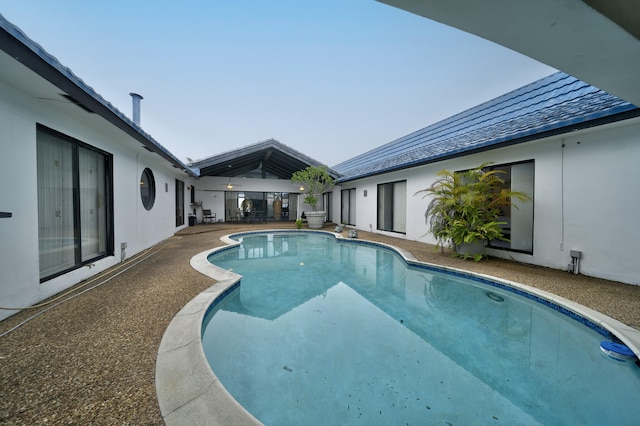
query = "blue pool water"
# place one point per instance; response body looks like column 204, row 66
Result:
column 323, row 332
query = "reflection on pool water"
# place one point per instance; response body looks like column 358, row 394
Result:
column 335, row 332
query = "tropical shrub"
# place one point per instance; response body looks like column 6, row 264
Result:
column 465, row 207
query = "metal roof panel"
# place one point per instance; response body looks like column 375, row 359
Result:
column 552, row 103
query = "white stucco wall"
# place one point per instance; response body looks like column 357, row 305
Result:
column 139, row 228
column 602, row 201
column 18, row 233
column 586, row 199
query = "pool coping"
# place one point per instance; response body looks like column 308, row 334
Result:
column 189, row 392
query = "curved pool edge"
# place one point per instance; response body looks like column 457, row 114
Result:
column 189, row 392
column 628, row 335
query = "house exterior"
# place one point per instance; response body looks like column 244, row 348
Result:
column 253, row 183
column 83, row 187
column 569, row 145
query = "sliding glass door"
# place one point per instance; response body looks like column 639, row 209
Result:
column 392, row 207
column 74, row 203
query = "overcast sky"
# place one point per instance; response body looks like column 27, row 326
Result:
column 332, row 78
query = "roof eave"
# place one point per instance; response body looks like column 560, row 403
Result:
column 597, row 119
column 24, row 50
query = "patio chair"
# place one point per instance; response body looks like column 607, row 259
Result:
column 207, row 216
column 250, row 217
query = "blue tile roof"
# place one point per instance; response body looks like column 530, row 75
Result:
column 555, row 103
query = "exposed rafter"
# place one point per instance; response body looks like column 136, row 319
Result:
column 270, row 157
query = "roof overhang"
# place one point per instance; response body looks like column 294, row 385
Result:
column 22, row 50
column 596, row 41
column 270, row 156
column 499, row 143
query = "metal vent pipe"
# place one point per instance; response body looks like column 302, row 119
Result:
column 136, row 107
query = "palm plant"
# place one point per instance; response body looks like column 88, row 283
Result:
column 465, row 207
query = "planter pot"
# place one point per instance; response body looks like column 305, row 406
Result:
column 471, row 249
column 277, row 209
column 315, row 220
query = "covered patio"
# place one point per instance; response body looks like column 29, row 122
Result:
column 251, row 184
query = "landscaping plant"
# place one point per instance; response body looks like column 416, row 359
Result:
column 465, row 207
column 315, row 180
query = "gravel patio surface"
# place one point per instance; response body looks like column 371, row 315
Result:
column 91, row 359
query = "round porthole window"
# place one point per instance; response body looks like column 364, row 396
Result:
column 147, row 188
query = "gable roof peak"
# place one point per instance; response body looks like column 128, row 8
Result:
column 272, row 155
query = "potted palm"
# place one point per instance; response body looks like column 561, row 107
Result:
column 313, row 181
column 465, row 208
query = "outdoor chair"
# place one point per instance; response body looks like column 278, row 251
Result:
column 250, row 217
column 207, row 216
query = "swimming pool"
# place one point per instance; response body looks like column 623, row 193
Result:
column 337, row 332
column 456, row 351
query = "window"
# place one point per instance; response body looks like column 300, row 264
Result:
column 260, row 206
column 74, row 203
column 392, row 207
column 180, row 202
column 348, row 213
column 518, row 228
column 326, row 205
column 147, row 188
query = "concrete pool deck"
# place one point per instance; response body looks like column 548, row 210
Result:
column 92, row 359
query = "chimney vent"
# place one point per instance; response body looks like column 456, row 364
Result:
column 136, row 107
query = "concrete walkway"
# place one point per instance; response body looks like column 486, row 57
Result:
column 92, row 359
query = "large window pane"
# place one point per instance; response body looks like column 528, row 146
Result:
column 56, row 237
column 92, row 203
column 326, row 205
column 522, row 212
column 518, row 219
column 254, row 206
column 344, row 206
column 400, row 206
column 392, row 206
column 74, row 203
column 385, row 207
column 180, row 202
column 348, row 207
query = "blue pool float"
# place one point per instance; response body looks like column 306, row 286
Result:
column 617, row 351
